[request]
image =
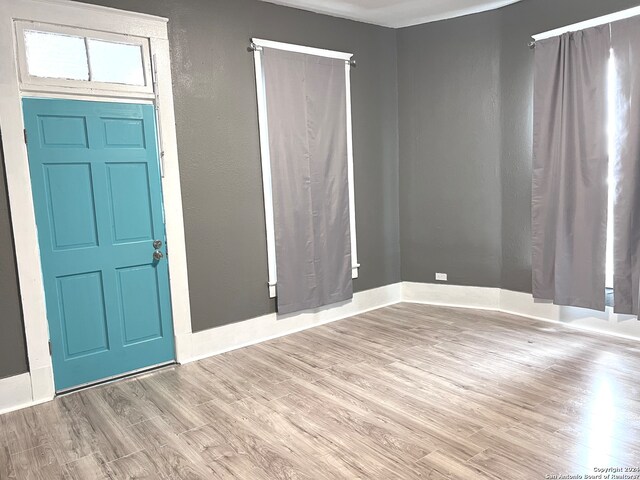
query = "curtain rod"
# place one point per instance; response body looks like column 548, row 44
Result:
column 594, row 22
column 253, row 47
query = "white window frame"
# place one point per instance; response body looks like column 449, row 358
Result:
column 49, row 84
column 73, row 15
column 265, row 154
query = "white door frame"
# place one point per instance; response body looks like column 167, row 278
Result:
column 88, row 17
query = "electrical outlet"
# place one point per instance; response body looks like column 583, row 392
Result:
column 441, row 277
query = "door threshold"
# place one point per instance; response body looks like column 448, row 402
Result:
column 115, row 378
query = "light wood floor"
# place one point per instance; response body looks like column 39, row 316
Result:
column 405, row 392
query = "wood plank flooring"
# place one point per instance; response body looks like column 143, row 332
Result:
column 405, row 392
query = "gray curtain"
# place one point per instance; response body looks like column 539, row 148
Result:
column 569, row 196
column 625, row 39
column 306, row 108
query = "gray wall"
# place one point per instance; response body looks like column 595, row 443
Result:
column 461, row 191
column 465, row 113
column 13, row 352
column 216, row 115
column 449, row 82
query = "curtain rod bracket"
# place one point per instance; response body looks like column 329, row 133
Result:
column 532, row 44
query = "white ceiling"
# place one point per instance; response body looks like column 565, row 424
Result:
column 396, row 13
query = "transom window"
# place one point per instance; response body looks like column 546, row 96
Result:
column 65, row 56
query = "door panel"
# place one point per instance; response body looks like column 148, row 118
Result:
column 119, row 133
column 63, row 131
column 98, row 203
column 71, row 212
column 130, row 202
column 82, row 314
column 140, row 322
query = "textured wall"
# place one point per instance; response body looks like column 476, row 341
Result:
column 216, row 115
column 449, row 82
column 465, row 119
column 13, row 351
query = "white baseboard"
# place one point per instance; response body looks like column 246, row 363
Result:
column 237, row 335
column 524, row 305
column 28, row 389
column 451, row 295
column 15, row 393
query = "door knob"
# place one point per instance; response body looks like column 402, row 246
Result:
column 157, row 244
column 157, row 255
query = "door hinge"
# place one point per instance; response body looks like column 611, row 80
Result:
column 24, row 130
column 50, row 348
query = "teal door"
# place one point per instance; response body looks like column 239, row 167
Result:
column 98, row 203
